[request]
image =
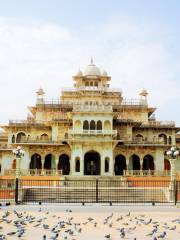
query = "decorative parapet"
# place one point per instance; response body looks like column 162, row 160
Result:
column 91, row 108
column 134, row 102
column 159, row 124
column 92, row 132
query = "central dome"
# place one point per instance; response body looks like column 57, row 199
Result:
column 92, row 70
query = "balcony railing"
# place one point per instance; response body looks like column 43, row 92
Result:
column 25, row 140
column 134, row 102
column 32, row 172
column 159, row 124
column 92, row 108
column 92, row 132
column 25, row 122
column 147, row 173
column 93, row 88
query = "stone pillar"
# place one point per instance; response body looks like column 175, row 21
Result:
column 54, row 132
column 141, row 165
column 57, row 162
column 82, row 165
column 42, row 161
column 127, row 165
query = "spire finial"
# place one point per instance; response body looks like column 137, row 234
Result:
column 92, row 61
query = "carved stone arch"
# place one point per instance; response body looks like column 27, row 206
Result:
column 148, row 162
column 20, row 136
column 163, row 138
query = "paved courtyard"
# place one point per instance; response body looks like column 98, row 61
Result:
column 76, row 222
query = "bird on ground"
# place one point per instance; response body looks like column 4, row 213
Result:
column 162, row 235
column 44, row 237
column 108, row 236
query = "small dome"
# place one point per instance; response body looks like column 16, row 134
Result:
column 104, row 73
column 92, row 70
column 40, row 91
column 143, row 93
column 79, row 73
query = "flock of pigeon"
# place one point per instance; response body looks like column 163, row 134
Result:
column 46, row 225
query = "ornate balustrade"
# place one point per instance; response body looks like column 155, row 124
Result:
column 135, row 102
column 32, row 172
column 92, row 108
column 92, row 132
column 147, row 173
column 24, row 140
column 159, row 124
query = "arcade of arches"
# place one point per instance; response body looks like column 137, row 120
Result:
column 50, row 163
column 92, row 163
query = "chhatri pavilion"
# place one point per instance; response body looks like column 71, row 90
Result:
column 90, row 130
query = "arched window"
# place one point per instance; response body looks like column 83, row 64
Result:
column 139, row 138
column 92, row 125
column 106, row 165
column 13, row 138
column 86, row 125
column 170, row 140
column 77, row 125
column 99, row 125
column 44, row 137
column 21, row 136
column 87, row 84
column 107, row 125
column 77, row 165
column 162, row 138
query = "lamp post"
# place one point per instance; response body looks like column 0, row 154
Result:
column 172, row 156
column 19, row 153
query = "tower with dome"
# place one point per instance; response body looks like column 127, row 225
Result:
column 90, row 130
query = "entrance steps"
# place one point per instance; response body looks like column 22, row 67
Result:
column 93, row 178
column 89, row 194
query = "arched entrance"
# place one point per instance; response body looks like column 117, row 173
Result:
column 120, row 164
column 35, row 162
column 49, row 162
column 134, row 163
column 64, row 164
column 167, row 165
column 148, row 162
column 92, row 163
column 14, row 164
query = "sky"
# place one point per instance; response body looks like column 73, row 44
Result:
column 43, row 44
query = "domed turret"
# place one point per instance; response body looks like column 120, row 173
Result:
column 92, row 70
column 79, row 73
column 104, row 73
column 40, row 96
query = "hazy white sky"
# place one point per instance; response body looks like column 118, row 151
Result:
column 43, row 43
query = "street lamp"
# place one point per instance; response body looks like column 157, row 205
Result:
column 19, row 153
column 172, row 155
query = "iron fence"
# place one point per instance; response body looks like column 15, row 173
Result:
column 142, row 192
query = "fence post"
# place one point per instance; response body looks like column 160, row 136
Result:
column 16, row 190
column 97, row 190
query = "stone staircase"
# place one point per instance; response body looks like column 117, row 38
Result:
column 103, row 190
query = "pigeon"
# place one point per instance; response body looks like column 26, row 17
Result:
column 108, row 236
column 162, row 235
